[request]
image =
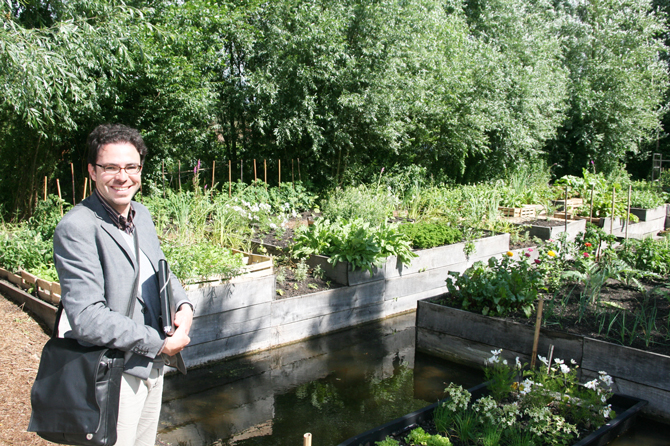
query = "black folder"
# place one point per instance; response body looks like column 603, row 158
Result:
column 168, row 309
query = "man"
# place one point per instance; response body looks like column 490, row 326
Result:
column 94, row 252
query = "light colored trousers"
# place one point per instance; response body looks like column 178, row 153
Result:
column 139, row 409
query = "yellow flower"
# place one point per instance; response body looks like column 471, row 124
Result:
column 510, row 253
column 551, row 254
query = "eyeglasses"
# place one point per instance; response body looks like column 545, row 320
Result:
column 131, row 169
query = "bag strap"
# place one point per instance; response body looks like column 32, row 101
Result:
column 133, row 298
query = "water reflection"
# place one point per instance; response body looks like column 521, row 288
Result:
column 334, row 386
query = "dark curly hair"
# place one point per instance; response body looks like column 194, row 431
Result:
column 110, row 134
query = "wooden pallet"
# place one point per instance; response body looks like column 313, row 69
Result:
column 522, row 212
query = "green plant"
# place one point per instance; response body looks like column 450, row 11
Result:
column 428, row 235
column 201, row 261
column 301, row 271
column 500, row 375
column 356, row 242
column 372, row 205
column 496, row 288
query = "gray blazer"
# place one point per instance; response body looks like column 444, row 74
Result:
column 97, row 273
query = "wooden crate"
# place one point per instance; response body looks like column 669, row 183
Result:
column 522, row 212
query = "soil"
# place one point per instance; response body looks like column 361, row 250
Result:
column 20, row 349
column 545, row 223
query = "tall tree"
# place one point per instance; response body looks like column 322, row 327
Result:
column 617, row 81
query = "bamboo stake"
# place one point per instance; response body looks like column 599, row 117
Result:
column 299, row 177
column 45, row 188
column 241, row 170
column 550, row 357
column 292, row 175
column 536, row 337
column 179, row 174
column 280, row 174
column 591, row 209
column 628, row 211
column 265, row 167
column 230, row 183
column 163, row 176
column 85, row 185
column 74, row 192
column 612, row 216
column 59, row 196
column 566, row 208
column 255, row 177
column 213, row 170
column 307, row 439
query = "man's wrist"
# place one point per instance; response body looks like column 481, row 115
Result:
column 186, row 303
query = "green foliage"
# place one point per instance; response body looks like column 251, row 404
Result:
column 356, row 242
column 24, row 248
column 496, row 288
column 647, row 254
column 201, row 261
column 425, row 235
column 372, row 205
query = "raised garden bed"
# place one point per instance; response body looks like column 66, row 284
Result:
column 468, row 338
column 551, row 228
column 626, row 407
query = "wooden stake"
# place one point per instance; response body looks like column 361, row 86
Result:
column 536, row 338
column 45, row 188
column 566, row 208
column 230, row 184
column 630, row 188
column 255, row 177
column 59, row 196
column 280, row 174
column 550, row 357
column 85, row 185
column 591, row 209
column 74, row 192
column 241, row 170
column 265, row 167
column 307, row 439
column 213, row 170
column 612, row 216
column 179, row 174
column 292, row 176
column 163, row 176
column 299, row 177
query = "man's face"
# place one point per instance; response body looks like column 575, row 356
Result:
column 117, row 189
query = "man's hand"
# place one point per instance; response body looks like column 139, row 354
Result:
column 182, row 320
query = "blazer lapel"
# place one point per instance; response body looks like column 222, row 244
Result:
column 108, row 226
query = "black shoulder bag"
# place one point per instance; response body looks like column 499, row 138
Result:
column 75, row 397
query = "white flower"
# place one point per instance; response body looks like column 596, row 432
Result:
column 573, row 362
column 518, row 363
column 606, row 379
column 273, row 226
column 565, row 369
column 558, row 361
column 593, row 385
column 543, row 359
column 505, row 361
